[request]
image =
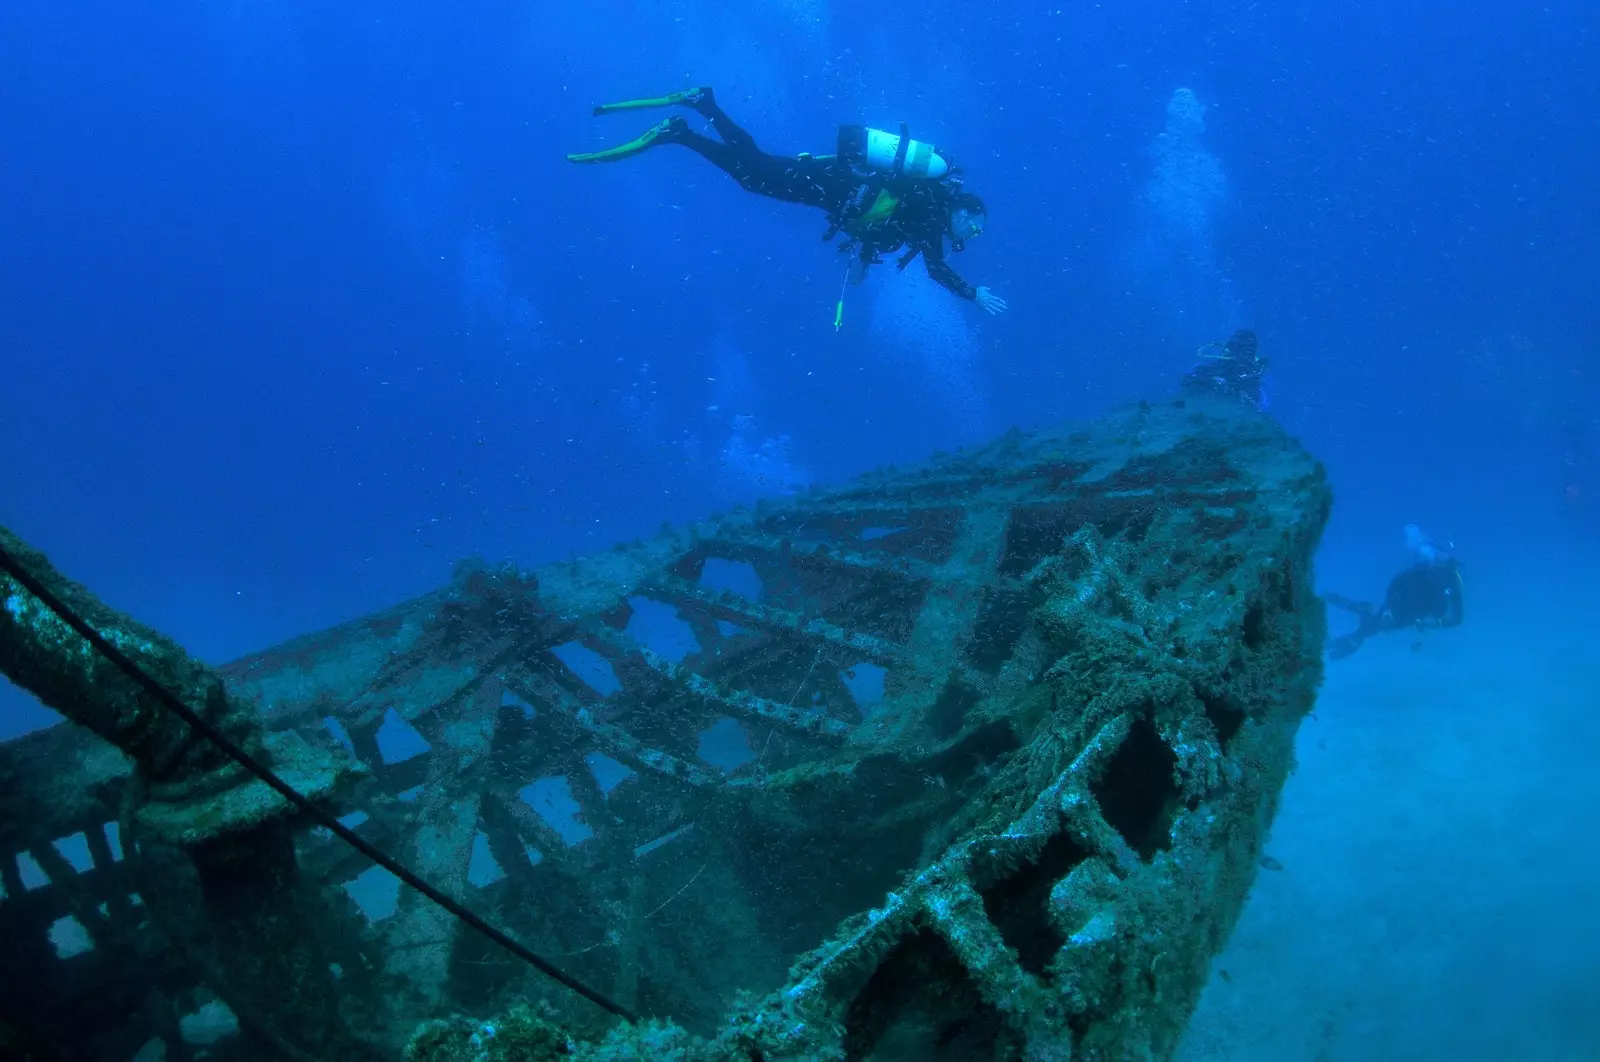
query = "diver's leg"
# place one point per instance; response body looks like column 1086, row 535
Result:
column 1360, row 608
column 1369, row 623
column 673, row 130
column 755, row 170
column 733, row 134
column 1339, row 648
column 807, row 181
column 791, row 180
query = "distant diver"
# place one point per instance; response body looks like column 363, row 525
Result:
column 882, row 190
column 1233, row 370
column 1580, row 469
column 1425, row 596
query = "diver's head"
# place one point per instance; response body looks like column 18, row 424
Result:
column 1241, row 346
column 967, row 218
column 1422, row 547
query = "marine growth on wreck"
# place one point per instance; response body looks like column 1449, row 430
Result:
column 967, row 760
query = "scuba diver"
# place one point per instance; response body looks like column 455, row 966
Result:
column 1426, row 595
column 1233, row 370
column 883, row 191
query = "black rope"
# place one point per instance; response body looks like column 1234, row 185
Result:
column 142, row 678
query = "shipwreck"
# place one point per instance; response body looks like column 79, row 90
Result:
column 967, row 760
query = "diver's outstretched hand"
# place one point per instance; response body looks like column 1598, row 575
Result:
column 990, row 302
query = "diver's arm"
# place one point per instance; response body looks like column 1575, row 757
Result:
column 943, row 275
column 941, row 272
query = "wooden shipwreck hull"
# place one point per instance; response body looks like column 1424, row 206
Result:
column 966, row 760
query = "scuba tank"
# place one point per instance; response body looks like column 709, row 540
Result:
column 891, row 153
column 872, row 151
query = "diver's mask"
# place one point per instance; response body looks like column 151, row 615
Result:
column 964, row 225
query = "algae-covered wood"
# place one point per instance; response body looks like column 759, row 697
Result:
column 971, row 759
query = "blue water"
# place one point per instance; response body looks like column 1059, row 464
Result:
column 300, row 303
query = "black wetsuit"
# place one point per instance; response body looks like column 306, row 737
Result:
column 1424, row 595
column 919, row 221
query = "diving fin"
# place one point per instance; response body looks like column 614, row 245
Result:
column 688, row 97
column 667, row 129
column 1339, row 648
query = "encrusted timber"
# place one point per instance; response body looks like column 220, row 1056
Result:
column 821, row 556
column 947, row 899
column 737, row 703
column 571, row 714
column 729, row 606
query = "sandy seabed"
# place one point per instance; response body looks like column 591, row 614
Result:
column 1439, row 843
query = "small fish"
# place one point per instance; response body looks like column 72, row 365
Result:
column 1224, row 974
column 1268, row 863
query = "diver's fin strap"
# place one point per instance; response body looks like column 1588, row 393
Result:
column 670, row 100
column 632, row 147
